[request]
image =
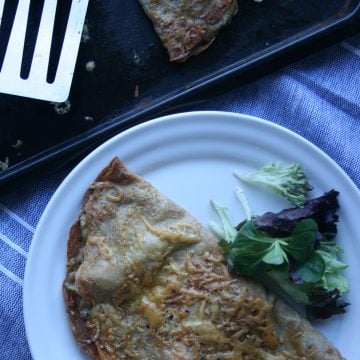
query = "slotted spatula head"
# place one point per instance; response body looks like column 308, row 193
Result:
column 36, row 85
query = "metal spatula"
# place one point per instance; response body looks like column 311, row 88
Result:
column 36, row 85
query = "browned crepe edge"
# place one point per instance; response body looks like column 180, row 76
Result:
column 115, row 171
column 72, row 300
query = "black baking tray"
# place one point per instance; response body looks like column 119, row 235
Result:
column 133, row 79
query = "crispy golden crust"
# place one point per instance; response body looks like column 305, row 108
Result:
column 72, row 301
column 146, row 281
column 114, row 172
column 186, row 27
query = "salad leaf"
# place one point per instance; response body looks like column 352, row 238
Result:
column 289, row 182
column 252, row 251
column 336, row 282
column 227, row 231
column 302, row 240
column 324, row 304
column 300, row 258
column 321, row 209
column 275, row 255
column 332, row 278
column 329, row 254
column 313, row 269
column 297, row 292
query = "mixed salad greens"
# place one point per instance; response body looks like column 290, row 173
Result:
column 295, row 247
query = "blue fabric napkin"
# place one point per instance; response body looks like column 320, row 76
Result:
column 318, row 98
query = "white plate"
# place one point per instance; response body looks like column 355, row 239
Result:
column 190, row 157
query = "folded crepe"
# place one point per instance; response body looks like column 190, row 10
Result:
column 187, row 27
column 145, row 280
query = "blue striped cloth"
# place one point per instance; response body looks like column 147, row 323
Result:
column 318, row 98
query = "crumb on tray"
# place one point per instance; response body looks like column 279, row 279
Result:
column 18, row 144
column 4, row 164
column 85, row 37
column 62, row 108
column 136, row 91
column 90, row 66
column 136, row 57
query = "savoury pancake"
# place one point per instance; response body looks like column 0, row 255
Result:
column 186, row 27
column 145, row 280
